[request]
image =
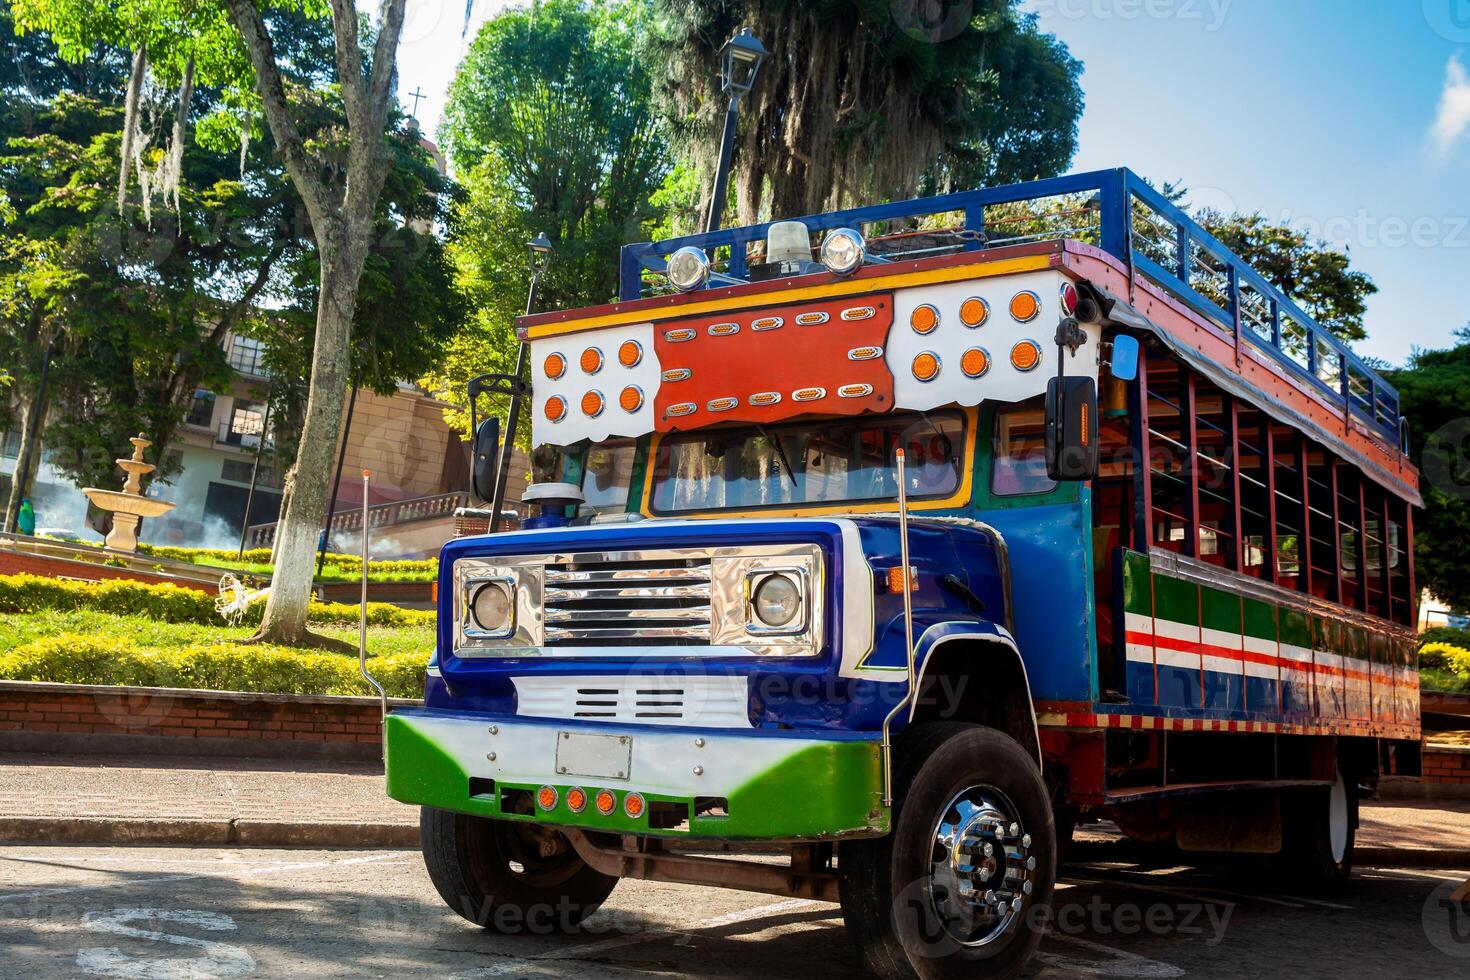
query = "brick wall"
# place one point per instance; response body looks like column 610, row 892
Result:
column 118, row 720
column 1447, row 764
column 16, row 563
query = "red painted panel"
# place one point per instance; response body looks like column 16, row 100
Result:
column 784, row 356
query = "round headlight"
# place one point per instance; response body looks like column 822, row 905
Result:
column 688, row 268
column 491, row 607
column 777, row 600
column 843, row 250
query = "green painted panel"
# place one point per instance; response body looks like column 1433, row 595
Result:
column 1137, row 596
column 1219, row 610
column 1260, row 619
column 1296, row 628
column 1176, row 600
column 833, row 789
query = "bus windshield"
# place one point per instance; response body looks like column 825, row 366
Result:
column 824, row 462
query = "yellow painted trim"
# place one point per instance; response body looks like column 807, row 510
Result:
column 843, row 287
column 959, row 499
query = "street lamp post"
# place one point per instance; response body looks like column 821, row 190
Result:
column 740, row 62
column 538, row 252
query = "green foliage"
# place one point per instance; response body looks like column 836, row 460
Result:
column 1316, row 275
column 75, row 658
column 258, row 559
column 1432, row 396
column 862, row 101
column 1445, row 656
column 172, row 604
column 1447, row 635
column 550, row 126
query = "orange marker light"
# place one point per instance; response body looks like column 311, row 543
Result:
column 677, row 374
column 807, row 319
column 896, row 577
column 630, row 352
column 1025, row 355
column 555, row 366
column 1025, row 305
column 808, row 394
column 721, row 404
column 680, row 335
column 631, row 398
column 723, row 329
column 592, row 404
column 854, row 391
column 546, row 797
column 766, row 323
column 591, row 360
column 606, row 802
column 762, row 398
column 924, row 318
column 975, row 362
column 974, row 311
column 576, row 799
column 633, row 805
column 682, row 408
column 926, row 366
column 556, row 408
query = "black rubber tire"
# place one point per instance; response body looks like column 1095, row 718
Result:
column 933, row 762
column 1309, row 863
column 469, row 860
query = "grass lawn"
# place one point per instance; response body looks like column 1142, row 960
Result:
column 19, row 628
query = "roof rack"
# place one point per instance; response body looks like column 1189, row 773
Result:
column 1125, row 217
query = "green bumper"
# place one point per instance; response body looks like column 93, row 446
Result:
column 715, row 785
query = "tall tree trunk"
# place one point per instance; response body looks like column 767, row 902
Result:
column 29, row 458
column 310, row 480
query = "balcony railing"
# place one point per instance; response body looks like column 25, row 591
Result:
column 231, row 435
column 1118, row 212
column 379, row 516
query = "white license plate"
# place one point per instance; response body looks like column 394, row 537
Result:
column 597, row 756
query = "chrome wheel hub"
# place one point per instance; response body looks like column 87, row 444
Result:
column 982, row 869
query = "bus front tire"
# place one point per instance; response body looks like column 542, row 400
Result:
column 508, row 876
column 966, row 797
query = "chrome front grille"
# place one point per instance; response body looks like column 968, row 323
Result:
column 605, row 599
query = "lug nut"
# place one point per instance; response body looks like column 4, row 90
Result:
column 1031, row 864
column 1026, row 841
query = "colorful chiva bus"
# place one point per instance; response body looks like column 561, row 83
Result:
column 1207, row 639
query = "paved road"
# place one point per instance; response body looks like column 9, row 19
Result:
column 166, row 913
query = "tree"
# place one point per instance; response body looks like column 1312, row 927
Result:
column 859, row 102
column 1432, row 397
column 551, row 128
column 1311, row 271
column 338, row 176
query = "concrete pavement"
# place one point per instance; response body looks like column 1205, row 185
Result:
column 61, row 799
column 67, row 912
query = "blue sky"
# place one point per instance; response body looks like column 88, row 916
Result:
column 1350, row 118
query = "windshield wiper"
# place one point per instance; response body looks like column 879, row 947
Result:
column 780, row 454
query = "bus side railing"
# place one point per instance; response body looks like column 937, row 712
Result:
column 1120, row 213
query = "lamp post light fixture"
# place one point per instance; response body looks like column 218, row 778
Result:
column 538, row 255
column 740, row 63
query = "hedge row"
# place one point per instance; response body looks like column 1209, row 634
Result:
column 171, row 604
column 77, row 658
column 1443, row 656
column 348, row 564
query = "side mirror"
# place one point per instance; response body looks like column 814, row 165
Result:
column 1124, row 363
column 1071, row 429
column 485, row 459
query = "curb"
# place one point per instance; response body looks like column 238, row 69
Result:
column 1454, row 858
column 206, row 833
column 281, row 833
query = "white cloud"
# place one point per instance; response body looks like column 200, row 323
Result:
column 1452, row 121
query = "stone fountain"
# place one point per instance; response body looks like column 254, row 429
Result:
column 128, row 506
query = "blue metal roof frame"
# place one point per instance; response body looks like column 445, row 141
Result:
column 1179, row 256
